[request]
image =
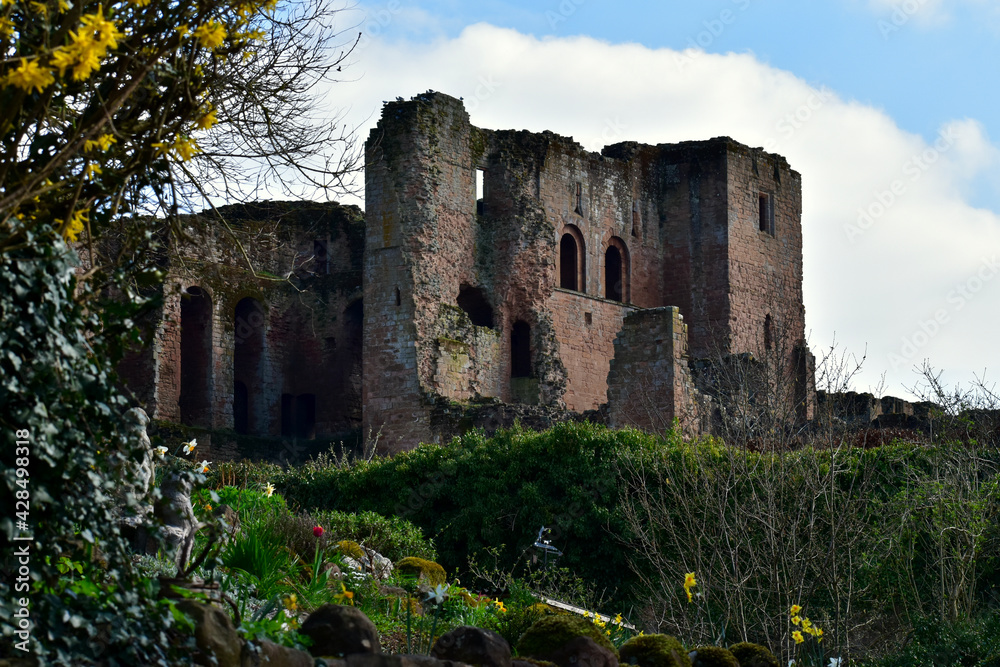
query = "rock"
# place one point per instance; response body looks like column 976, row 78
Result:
column 339, row 630
column 371, row 563
column 713, row 656
column 214, row 634
column 264, row 653
column 368, row 660
column 425, row 571
column 139, row 475
column 654, row 651
column 550, row 634
column 473, row 646
column 582, row 652
column 753, row 655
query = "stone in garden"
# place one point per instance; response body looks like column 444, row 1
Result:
column 654, row 651
column 474, row 646
column 582, row 652
column 264, row 653
column 339, row 630
column 753, row 655
column 713, row 656
column 214, row 634
column 368, row 660
column 551, row 634
column 426, row 571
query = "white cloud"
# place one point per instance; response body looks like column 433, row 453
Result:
column 889, row 241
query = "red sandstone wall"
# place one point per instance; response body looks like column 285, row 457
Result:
column 585, row 328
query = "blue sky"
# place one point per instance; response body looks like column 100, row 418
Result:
column 884, row 107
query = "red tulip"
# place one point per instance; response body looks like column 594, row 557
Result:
column 318, row 531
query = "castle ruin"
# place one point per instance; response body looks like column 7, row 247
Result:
column 490, row 269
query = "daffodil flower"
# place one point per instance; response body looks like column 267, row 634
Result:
column 795, row 610
column 189, row 446
column 439, row 594
column 269, row 489
column 161, row 451
column 797, row 636
column 204, row 465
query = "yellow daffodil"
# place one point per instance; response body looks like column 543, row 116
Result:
column 796, row 620
column 797, row 636
column 30, row 75
column 806, row 624
column 689, row 583
column 795, row 610
column 208, row 507
column 269, row 489
column 211, row 35
column 291, row 602
column 500, row 606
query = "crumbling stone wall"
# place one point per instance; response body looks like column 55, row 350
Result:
column 650, row 384
column 711, row 228
column 301, row 266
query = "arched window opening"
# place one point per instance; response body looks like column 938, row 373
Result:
column 248, row 370
column 613, row 286
column 567, row 262
column 768, row 332
column 398, row 297
column 195, row 401
column 617, row 271
column 572, row 262
column 241, row 408
column 473, row 301
column 520, row 350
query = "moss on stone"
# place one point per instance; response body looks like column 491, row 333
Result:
column 551, row 633
column 654, row 651
column 714, row 656
column 352, row 549
column 422, row 569
column 753, row 655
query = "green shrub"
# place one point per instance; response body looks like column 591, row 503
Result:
column 246, row 502
column 714, row 656
column 391, row 536
column 551, row 633
column 422, row 569
column 753, row 655
column 654, row 651
column 967, row 642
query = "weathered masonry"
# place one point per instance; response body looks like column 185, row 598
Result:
column 494, row 275
column 520, row 267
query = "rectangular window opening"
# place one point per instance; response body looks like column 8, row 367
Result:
column 765, row 213
column 480, row 190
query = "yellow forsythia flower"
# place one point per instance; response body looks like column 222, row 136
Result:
column 183, row 30
column 6, row 27
column 103, row 142
column 75, row 226
column 211, row 34
column 206, row 121
column 90, row 170
column 30, row 75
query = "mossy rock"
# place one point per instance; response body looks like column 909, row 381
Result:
column 352, row 549
column 714, row 656
column 546, row 609
column 423, row 569
column 551, row 633
column 753, row 655
column 654, row 651
column 537, row 663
